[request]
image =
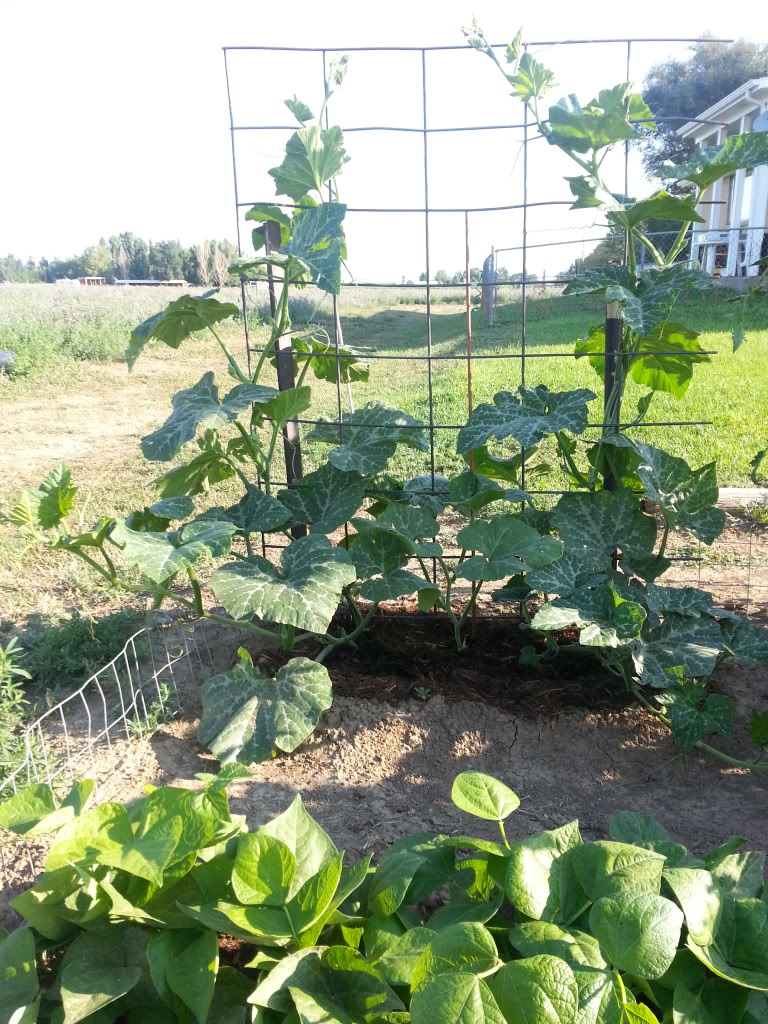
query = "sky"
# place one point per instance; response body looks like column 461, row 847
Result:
column 115, row 118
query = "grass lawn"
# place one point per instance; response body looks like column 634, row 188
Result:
column 72, row 400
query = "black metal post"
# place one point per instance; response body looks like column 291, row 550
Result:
column 285, row 378
column 611, row 393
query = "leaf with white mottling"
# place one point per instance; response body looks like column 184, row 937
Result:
column 200, row 406
column 367, row 439
column 304, row 592
column 604, row 521
column 160, row 555
column 687, row 497
column 248, row 716
column 694, row 713
column 256, row 512
column 325, row 499
column 691, row 645
column 527, row 418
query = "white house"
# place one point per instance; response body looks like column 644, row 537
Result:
column 736, row 232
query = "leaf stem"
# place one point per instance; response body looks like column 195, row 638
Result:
column 504, row 834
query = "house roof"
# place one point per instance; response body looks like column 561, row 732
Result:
column 717, row 111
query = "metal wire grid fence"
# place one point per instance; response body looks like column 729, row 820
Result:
column 523, row 353
column 88, row 734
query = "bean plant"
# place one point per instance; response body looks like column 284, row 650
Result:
column 170, row 911
column 592, row 563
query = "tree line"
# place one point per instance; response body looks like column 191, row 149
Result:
column 129, row 257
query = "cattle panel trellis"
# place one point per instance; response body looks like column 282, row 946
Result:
column 427, row 134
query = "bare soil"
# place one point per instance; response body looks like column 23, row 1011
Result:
column 381, row 763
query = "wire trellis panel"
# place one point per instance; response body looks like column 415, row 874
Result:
column 88, row 733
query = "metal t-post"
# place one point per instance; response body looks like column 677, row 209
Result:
column 611, row 396
column 285, row 378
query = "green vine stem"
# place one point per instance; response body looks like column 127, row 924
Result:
column 755, row 766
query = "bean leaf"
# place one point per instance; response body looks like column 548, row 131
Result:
column 483, row 796
column 638, row 932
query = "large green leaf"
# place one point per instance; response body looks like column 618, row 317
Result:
column 367, row 438
column 679, row 643
column 638, row 932
column 304, row 592
column 345, row 990
column 744, row 641
column 687, row 497
column 18, row 974
column 316, row 240
column 469, row 493
column 255, row 512
column 392, row 880
column 532, row 877
column 602, row 122
column 528, row 418
column 694, row 713
column 95, row 972
column 375, row 550
column 263, row 871
column 397, row 961
column 191, row 973
column 708, row 165
column 310, row 845
column 713, row 958
column 297, row 970
column 181, row 318
column 325, row 499
column 665, row 358
column 651, row 302
column 160, row 555
column 312, row 157
column 200, row 406
column 248, row 716
column 459, row 998
column 605, row 868
column 507, row 546
column 660, row 206
column 537, row 990
column 604, row 521
column 600, row 999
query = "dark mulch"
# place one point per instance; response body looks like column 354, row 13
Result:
column 405, row 656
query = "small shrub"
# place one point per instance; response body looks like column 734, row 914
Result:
column 170, row 910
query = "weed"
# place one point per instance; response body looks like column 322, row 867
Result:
column 157, row 714
column 65, row 651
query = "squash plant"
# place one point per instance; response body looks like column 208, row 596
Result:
column 663, row 642
column 170, row 911
column 591, row 563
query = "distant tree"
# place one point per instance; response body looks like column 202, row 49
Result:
column 441, row 277
column 683, row 88
column 166, row 261
column 502, row 274
column 409, row 281
column 475, row 275
column 520, row 276
column 423, row 275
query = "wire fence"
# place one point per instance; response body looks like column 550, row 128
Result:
column 524, row 360
column 92, row 731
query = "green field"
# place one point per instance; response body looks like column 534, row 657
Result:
column 72, row 398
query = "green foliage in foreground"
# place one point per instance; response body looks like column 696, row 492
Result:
column 125, row 923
